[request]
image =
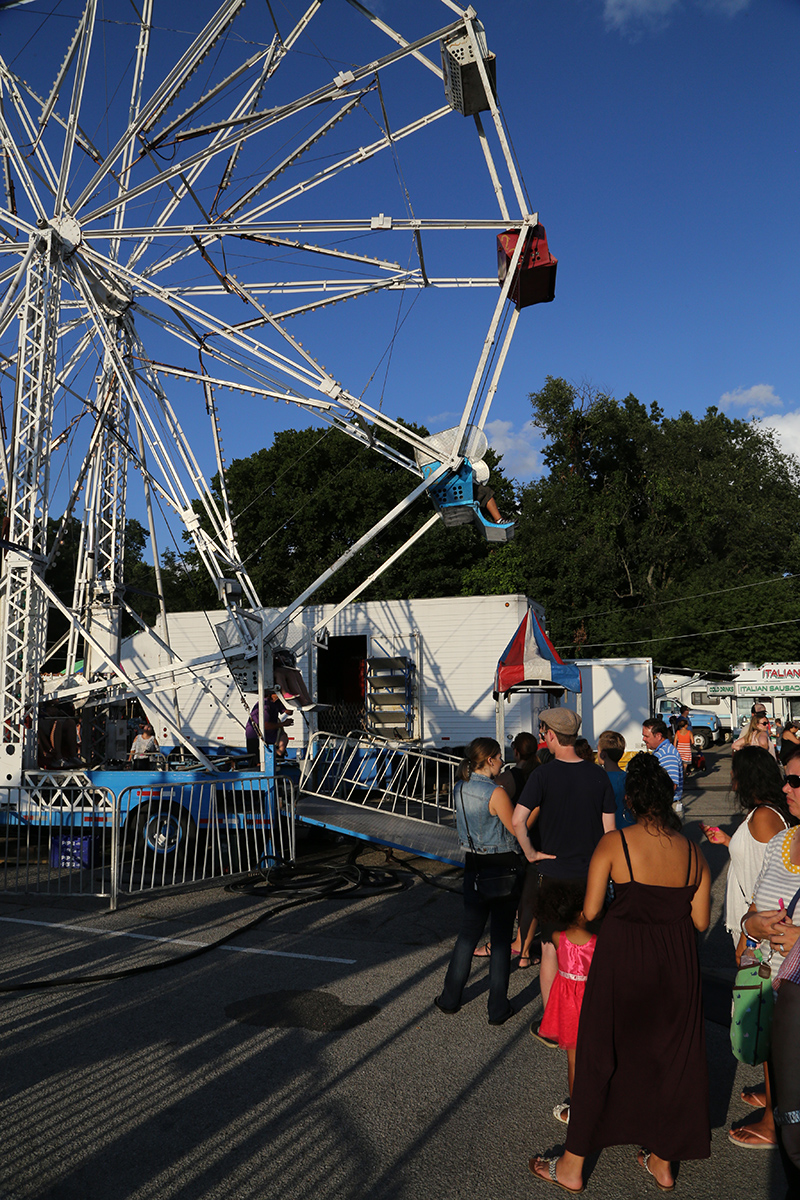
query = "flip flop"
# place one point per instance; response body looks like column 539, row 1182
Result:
column 755, row 1097
column 550, row 1163
column 485, row 951
column 643, row 1159
column 762, row 1142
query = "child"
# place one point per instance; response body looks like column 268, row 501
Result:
column 610, row 749
column 683, row 743
column 574, row 947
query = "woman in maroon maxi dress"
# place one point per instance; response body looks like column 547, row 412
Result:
column 640, row 1074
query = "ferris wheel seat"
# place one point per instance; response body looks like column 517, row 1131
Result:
column 497, row 532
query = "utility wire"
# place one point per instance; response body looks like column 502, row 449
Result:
column 739, row 587
column 674, row 637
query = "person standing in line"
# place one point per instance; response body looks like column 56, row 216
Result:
column 681, row 715
column 512, row 780
column 790, row 742
column 491, row 851
column 572, row 805
column 654, row 736
column 641, row 1076
column 610, row 749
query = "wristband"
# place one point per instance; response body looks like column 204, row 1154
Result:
column 743, row 924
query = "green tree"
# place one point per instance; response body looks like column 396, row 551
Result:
column 638, row 512
column 302, row 502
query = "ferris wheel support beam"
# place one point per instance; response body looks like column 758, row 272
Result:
column 468, row 415
column 323, row 382
column 395, row 36
column 498, row 123
column 23, row 628
column 443, row 469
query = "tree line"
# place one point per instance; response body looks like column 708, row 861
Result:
column 674, row 538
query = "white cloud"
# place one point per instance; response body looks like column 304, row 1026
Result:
column 520, row 449
column 443, row 420
column 787, row 428
column 756, row 399
column 621, row 14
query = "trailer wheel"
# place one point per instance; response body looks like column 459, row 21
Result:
column 165, row 832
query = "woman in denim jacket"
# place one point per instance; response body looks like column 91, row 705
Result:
column 486, row 833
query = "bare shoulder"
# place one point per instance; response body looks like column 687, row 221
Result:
column 765, row 823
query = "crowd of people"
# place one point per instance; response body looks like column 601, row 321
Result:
column 591, row 857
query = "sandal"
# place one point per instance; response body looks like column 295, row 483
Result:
column 755, row 1097
column 485, row 951
column 561, row 1112
column 551, row 1164
column 762, row 1142
column 643, row 1159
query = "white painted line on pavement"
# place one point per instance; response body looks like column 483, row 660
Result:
column 147, row 937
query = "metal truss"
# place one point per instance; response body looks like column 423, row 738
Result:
column 147, row 265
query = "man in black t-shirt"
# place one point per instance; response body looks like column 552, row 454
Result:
column 572, row 804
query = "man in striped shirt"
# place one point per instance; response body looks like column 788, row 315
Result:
column 654, row 735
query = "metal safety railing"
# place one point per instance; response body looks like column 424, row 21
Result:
column 62, row 835
column 381, row 775
column 57, row 836
column 177, row 833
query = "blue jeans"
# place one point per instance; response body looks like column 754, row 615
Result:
column 476, row 911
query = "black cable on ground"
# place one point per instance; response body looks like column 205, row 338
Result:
column 317, row 881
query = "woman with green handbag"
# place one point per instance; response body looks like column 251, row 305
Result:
column 773, row 920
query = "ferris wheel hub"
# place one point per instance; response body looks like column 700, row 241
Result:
column 68, row 232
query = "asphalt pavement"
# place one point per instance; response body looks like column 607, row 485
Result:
column 302, row 1055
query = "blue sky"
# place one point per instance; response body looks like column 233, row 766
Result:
column 661, row 147
column 658, row 140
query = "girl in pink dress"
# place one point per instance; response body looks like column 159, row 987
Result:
column 574, row 947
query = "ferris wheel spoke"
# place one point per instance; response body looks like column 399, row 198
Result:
column 295, row 156
column 243, row 108
column 358, row 156
column 164, row 96
column 46, row 172
column 84, row 46
column 297, row 190
column 137, row 83
column 396, row 37
column 257, row 125
column 11, row 149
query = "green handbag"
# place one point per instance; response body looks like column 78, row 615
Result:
column 751, row 1017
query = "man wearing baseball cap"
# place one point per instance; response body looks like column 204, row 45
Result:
column 572, row 803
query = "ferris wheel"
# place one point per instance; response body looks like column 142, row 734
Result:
column 187, row 192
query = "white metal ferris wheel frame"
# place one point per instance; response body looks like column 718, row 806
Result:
column 61, row 282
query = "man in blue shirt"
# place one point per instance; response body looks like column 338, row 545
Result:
column 654, row 735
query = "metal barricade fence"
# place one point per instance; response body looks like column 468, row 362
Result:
column 183, row 832
column 57, row 836
column 389, row 777
column 62, row 835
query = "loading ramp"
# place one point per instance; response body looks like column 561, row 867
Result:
column 392, row 795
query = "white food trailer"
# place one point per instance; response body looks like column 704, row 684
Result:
column 414, row 670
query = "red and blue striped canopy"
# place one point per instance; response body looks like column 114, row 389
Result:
column 530, row 657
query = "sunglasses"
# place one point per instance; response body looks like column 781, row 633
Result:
column 792, row 780
column 763, row 722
